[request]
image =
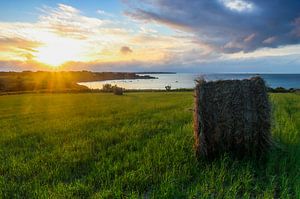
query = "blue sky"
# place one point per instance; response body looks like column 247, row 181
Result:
column 147, row 35
column 27, row 10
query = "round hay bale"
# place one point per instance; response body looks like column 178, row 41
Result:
column 231, row 116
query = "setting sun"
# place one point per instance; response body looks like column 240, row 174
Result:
column 59, row 51
column 150, row 99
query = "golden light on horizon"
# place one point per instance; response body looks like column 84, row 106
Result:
column 63, row 37
column 56, row 51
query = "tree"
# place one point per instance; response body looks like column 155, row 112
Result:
column 117, row 90
column 19, row 83
column 107, row 88
column 2, row 85
column 168, row 88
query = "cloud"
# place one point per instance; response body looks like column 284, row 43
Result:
column 296, row 30
column 250, row 38
column 125, row 50
column 228, row 26
column 104, row 13
column 269, row 40
column 63, row 34
column 238, row 5
column 17, row 49
column 69, row 22
column 7, row 43
column 195, row 34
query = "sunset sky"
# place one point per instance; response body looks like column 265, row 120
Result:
column 151, row 35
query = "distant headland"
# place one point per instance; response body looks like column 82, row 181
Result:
column 62, row 81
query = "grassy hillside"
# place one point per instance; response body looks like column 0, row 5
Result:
column 63, row 81
column 137, row 145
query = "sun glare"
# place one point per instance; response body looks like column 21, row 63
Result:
column 57, row 51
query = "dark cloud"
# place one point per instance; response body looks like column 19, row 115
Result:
column 227, row 25
column 125, row 50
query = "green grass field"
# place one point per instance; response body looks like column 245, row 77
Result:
column 136, row 145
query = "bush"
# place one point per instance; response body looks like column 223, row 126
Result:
column 117, row 90
column 281, row 90
column 2, row 85
column 107, row 88
column 113, row 89
column 168, row 88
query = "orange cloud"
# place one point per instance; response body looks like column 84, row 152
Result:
column 125, row 50
column 64, row 35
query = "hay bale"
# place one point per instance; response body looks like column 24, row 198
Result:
column 231, row 116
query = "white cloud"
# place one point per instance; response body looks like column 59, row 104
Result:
column 250, row 37
column 238, row 5
column 104, row 13
column 269, row 40
column 64, row 34
column 266, row 52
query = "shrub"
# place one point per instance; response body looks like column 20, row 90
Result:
column 282, row 90
column 168, row 88
column 117, row 90
column 107, row 88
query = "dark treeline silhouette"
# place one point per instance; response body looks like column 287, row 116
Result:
column 57, row 81
column 108, row 88
column 282, row 90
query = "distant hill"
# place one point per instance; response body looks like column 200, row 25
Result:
column 156, row 73
column 57, row 81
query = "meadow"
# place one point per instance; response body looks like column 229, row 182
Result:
column 98, row 145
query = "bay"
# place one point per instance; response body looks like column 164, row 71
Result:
column 187, row 80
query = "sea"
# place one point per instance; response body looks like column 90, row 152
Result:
column 187, row 80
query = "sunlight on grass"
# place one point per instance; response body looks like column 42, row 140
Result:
column 136, row 145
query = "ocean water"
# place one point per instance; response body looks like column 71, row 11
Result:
column 187, row 80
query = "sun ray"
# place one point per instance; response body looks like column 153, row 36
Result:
column 57, row 51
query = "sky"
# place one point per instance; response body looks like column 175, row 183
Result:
column 209, row 36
